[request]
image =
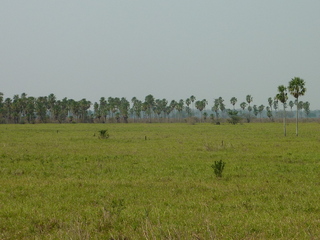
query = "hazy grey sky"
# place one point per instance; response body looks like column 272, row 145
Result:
column 170, row 49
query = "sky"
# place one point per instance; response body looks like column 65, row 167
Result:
column 170, row 48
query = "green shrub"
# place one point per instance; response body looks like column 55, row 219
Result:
column 104, row 134
column 218, row 167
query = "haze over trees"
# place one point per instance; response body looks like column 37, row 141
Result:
column 28, row 109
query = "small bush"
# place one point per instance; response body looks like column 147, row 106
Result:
column 218, row 167
column 104, row 134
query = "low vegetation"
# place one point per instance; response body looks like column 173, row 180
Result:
column 155, row 181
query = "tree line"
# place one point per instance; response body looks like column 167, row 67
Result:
column 27, row 109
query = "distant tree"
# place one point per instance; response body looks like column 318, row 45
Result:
column 188, row 109
column 222, row 106
column 41, row 108
column 192, row 99
column 137, row 108
column 124, row 108
column 291, row 104
column 205, row 115
column 103, row 108
column 243, row 105
column 50, row 105
column 96, row 110
column 200, row 105
column 149, row 103
column 7, row 109
column 260, row 110
column 297, row 88
column 306, row 107
column 179, row 108
column 233, row 101
column 30, row 110
column 215, row 108
column 270, row 102
column 249, row 99
column 282, row 96
column 234, row 118
column 84, row 106
column 275, row 104
column 300, row 107
column 157, row 109
column 269, row 113
column 255, row 110
column 212, row 117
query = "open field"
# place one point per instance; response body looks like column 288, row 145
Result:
column 155, row 181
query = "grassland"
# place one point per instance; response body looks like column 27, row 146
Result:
column 155, row 181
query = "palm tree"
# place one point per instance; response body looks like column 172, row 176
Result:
column 192, row 99
column 173, row 106
column 221, row 106
column 260, row 109
column 282, row 96
column 249, row 100
column 149, row 103
column 41, row 108
column 7, row 109
column 30, row 109
column 306, row 107
column 297, row 88
column 275, row 105
column 179, row 108
column 243, row 105
column 233, row 101
column 51, row 102
column 269, row 113
column 215, row 108
column 291, row 104
column 124, row 109
column 188, row 110
column 200, row 105
column 157, row 109
column 255, row 110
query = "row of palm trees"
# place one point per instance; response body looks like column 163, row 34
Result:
column 24, row 108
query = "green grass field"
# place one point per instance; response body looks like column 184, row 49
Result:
column 155, row 181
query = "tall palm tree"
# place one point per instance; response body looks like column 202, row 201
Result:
column 297, row 88
column 282, row 96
